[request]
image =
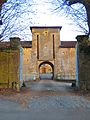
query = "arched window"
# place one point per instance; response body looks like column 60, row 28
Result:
column 46, row 70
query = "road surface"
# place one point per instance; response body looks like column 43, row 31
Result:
column 45, row 100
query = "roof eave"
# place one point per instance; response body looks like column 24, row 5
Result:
column 31, row 27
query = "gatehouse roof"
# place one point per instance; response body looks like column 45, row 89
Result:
column 42, row 27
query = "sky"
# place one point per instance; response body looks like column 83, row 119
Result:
column 44, row 17
column 47, row 18
column 67, row 33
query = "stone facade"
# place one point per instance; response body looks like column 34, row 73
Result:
column 47, row 49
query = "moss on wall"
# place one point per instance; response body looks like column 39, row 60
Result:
column 9, row 67
column 84, row 62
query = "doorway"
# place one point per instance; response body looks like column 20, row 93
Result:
column 46, row 71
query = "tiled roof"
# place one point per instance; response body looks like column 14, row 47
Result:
column 68, row 44
column 64, row 44
column 4, row 44
column 26, row 44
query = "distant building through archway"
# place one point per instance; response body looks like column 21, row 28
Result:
column 46, row 70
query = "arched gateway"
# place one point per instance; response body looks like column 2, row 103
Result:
column 46, row 56
column 46, row 70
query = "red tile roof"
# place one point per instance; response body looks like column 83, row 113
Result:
column 24, row 44
column 68, row 44
column 4, row 44
column 28, row 44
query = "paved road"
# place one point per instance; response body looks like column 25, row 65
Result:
column 51, row 101
column 50, row 85
column 47, row 76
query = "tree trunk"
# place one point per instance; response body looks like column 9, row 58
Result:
column 87, row 6
column 1, row 3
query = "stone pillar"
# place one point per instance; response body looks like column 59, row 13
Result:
column 15, row 42
column 83, row 47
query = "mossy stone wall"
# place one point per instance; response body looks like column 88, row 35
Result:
column 10, row 65
column 83, row 62
column 9, row 68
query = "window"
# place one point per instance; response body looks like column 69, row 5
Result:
column 46, row 33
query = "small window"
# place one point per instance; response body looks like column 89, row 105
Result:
column 46, row 33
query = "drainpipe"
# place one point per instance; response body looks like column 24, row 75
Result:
column 21, row 64
column 77, row 65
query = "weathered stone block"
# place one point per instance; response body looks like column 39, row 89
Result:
column 15, row 42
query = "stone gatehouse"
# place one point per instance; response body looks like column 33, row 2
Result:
column 46, row 56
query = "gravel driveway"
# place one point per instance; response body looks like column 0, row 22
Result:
column 43, row 100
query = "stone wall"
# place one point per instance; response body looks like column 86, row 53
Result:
column 83, row 62
column 27, row 64
column 66, row 63
column 10, row 65
column 46, row 48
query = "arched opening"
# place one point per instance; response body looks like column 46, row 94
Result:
column 46, row 71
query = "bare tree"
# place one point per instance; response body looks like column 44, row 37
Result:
column 78, row 10
column 1, row 3
column 86, row 3
column 16, row 17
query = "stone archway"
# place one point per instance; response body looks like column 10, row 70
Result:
column 46, row 70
